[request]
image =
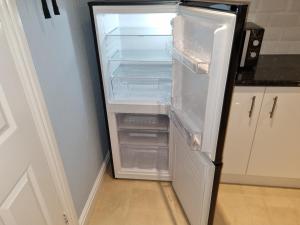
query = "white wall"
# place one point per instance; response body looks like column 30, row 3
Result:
column 281, row 19
column 63, row 54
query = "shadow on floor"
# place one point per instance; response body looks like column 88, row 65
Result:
column 220, row 218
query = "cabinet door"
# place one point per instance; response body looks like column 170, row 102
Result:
column 276, row 149
column 245, row 108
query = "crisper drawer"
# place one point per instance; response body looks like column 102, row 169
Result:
column 141, row 138
column 144, row 158
column 143, row 121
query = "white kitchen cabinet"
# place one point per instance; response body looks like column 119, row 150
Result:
column 263, row 149
column 245, row 108
column 276, row 146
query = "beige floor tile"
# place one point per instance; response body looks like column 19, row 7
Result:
column 131, row 202
column 138, row 217
column 243, row 205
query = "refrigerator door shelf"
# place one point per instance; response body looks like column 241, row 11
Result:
column 191, row 134
column 196, row 65
column 193, row 41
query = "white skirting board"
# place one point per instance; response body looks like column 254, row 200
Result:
column 89, row 205
column 260, row 181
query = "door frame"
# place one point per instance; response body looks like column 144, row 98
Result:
column 13, row 29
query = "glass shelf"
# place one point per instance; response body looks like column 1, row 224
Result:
column 154, row 97
column 196, row 65
column 139, row 31
column 143, row 71
column 142, row 82
column 145, row 56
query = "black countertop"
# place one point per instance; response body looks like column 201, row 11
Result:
column 273, row 70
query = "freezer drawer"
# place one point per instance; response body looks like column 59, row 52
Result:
column 143, row 121
column 143, row 138
column 144, row 158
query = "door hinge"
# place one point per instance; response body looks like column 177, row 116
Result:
column 66, row 219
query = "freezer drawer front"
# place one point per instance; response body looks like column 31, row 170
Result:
column 193, row 179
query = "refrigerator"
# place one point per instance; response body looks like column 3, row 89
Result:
column 167, row 70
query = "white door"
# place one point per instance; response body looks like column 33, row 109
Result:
column 244, row 113
column 276, row 151
column 202, row 48
column 27, row 191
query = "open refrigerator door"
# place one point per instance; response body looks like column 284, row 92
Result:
column 202, row 43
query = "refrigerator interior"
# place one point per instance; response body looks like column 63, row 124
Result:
column 136, row 61
column 136, row 56
column 160, row 59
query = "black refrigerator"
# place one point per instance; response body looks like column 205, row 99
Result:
column 167, row 70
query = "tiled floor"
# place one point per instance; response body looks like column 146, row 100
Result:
column 128, row 202
column 250, row 205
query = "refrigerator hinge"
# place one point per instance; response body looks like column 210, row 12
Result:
column 66, row 219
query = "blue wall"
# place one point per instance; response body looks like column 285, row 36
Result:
column 63, row 54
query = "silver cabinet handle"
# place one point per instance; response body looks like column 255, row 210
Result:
column 274, row 107
column 252, row 106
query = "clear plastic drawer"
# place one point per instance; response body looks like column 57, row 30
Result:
column 143, row 121
column 144, row 158
column 143, row 138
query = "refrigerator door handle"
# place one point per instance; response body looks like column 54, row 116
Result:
column 55, row 7
column 46, row 11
